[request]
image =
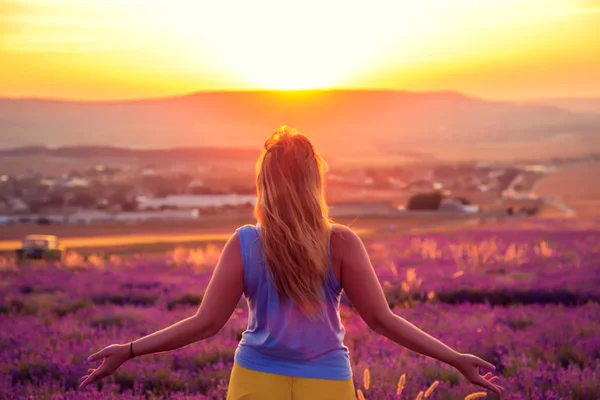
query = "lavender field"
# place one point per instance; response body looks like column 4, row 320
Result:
column 527, row 301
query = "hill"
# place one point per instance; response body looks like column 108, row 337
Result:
column 582, row 105
column 369, row 123
column 148, row 155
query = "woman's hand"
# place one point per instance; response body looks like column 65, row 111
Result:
column 468, row 365
column 114, row 356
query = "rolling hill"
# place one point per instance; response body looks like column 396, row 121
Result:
column 369, row 123
column 582, row 105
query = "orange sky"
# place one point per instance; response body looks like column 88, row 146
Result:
column 107, row 49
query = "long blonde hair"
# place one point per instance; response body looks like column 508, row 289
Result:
column 293, row 217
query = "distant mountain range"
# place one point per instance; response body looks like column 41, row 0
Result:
column 175, row 154
column 147, row 155
column 369, row 123
column 582, row 105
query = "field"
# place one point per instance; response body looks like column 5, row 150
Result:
column 527, row 300
column 157, row 236
column 577, row 187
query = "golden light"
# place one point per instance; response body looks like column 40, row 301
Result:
column 124, row 48
column 278, row 45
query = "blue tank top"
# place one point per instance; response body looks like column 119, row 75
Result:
column 280, row 339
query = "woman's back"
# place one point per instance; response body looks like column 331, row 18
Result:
column 293, row 347
column 281, row 338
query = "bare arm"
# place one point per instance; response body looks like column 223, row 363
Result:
column 362, row 287
column 222, row 295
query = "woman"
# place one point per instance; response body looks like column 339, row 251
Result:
column 292, row 267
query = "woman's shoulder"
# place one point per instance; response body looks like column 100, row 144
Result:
column 343, row 236
column 247, row 227
column 246, row 232
column 341, row 229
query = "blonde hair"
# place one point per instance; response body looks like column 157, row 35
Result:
column 293, row 216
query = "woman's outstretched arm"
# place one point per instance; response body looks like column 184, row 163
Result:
column 362, row 287
column 219, row 301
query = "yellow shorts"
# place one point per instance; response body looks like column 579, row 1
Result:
column 246, row 384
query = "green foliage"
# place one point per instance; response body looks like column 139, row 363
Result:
column 70, row 306
column 113, row 320
column 211, row 357
column 585, row 390
column 19, row 306
column 125, row 379
column 567, row 355
column 432, row 373
column 519, row 323
column 122, row 299
column 162, row 381
column 28, row 371
column 188, row 299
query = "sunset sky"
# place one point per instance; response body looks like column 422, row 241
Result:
column 117, row 49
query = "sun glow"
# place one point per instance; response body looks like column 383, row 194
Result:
column 271, row 45
column 124, row 48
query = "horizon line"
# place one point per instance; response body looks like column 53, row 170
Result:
column 121, row 147
column 224, row 91
column 290, row 91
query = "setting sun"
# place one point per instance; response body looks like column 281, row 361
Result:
column 122, row 49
